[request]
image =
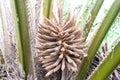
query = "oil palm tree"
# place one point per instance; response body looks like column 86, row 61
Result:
column 26, row 33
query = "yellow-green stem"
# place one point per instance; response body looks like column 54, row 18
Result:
column 24, row 41
column 108, row 65
column 107, row 22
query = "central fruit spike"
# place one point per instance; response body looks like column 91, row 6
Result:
column 61, row 44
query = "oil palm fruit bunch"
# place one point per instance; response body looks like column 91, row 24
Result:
column 61, row 45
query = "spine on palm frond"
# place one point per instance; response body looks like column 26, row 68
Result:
column 1, row 58
column 99, row 57
column 115, row 74
column 61, row 45
column 8, row 72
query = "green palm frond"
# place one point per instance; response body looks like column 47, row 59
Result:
column 24, row 40
column 107, row 22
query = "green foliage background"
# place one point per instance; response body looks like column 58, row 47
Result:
column 113, row 33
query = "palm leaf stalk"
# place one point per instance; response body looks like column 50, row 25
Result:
column 47, row 7
column 24, row 37
column 98, row 59
column 94, row 13
column 116, row 74
column 10, row 50
column 34, row 14
column 108, row 65
column 1, row 58
column 110, row 17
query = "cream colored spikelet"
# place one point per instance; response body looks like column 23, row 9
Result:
column 60, row 45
